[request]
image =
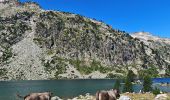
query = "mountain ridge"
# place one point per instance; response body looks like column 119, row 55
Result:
column 148, row 36
column 38, row 44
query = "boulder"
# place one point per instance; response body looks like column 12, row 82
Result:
column 124, row 98
column 82, row 97
column 56, row 98
column 161, row 97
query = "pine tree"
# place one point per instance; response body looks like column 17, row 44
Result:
column 147, row 84
column 117, row 84
column 131, row 75
column 128, row 87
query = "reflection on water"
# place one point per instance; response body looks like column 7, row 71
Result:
column 63, row 88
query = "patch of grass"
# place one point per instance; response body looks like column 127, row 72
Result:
column 6, row 54
column 40, row 41
column 120, row 71
column 136, row 96
column 57, row 64
column 114, row 76
column 156, row 91
column 94, row 66
column 152, row 72
column 50, row 52
column 80, row 66
column 145, row 96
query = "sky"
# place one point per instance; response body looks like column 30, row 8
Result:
column 127, row 15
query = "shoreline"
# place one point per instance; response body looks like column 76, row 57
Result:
column 131, row 96
column 86, row 79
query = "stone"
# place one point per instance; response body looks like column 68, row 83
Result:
column 161, row 97
column 124, row 98
column 56, row 98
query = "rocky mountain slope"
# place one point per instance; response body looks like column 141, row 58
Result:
column 160, row 45
column 36, row 44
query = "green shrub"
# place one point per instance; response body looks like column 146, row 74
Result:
column 168, row 71
column 7, row 54
column 3, row 72
column 151, row 71
column 156, row 91
column 131, row 75
column 56, row 64
column 113, row 76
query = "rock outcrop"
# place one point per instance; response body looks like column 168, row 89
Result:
column 124, row 98
column 161, row 97
column 36, row 44
column 161, row 47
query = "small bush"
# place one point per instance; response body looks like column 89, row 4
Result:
column 3, row 72
column 156, row 91
column 7, row 54
column 113, row 76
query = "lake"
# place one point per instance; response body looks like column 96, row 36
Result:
column 63, row 88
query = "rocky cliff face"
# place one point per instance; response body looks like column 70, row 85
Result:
column 39, row 44
column 160, row 45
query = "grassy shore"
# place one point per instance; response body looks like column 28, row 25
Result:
column 133, row 96
column 145, row 96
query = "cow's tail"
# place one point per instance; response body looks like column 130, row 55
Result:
column 97, row 95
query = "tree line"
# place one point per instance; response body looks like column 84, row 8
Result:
column 128, row 84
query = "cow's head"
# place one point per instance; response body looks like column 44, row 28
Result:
column 117, row 93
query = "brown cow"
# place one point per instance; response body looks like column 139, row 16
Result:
column 112, row 94
column 37, row 96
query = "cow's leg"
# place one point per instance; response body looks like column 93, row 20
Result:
column 97, row 95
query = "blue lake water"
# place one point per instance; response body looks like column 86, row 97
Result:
column 63, row 88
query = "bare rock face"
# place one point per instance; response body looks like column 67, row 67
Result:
column 36, row 44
